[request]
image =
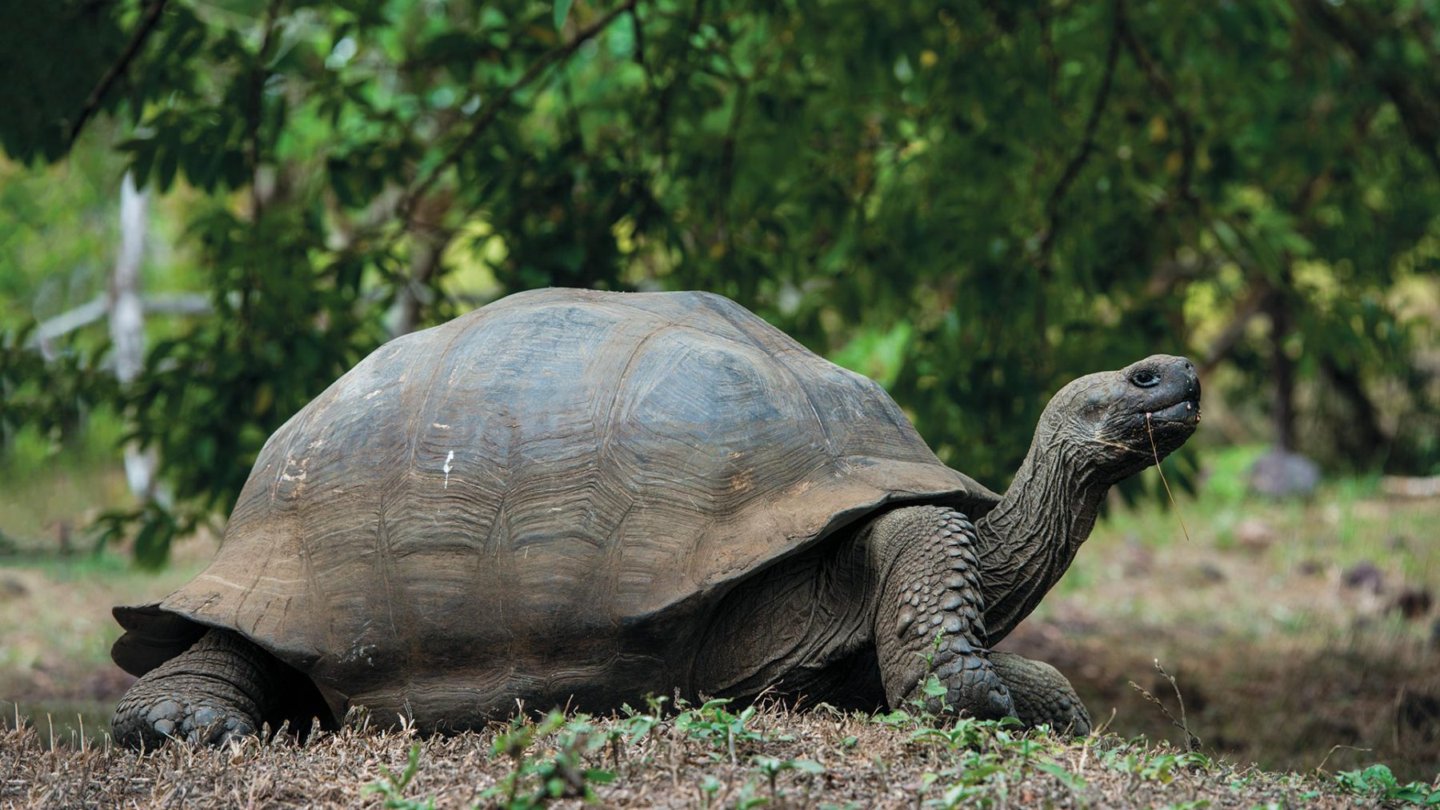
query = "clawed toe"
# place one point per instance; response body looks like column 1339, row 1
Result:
column 1042, row 695
column 979, row 693
column 972, row 688
column 169, row 719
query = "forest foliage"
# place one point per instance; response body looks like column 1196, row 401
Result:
column 971, row 202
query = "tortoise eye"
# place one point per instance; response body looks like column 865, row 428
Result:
column 1145, row 378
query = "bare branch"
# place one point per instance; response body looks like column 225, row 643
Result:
column 255, row 109
column 1229, row 337
column 189, row 304
column 70, row 320
column 95, row 310
column 137, row 41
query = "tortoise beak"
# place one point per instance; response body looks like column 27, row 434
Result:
column 1185, row 412
column 1175, row 392
column 1168, row 393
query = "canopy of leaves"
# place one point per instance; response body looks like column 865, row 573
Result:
column 971, row 202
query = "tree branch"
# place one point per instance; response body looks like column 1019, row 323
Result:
column 1087, row 146
column 1162, row 87
column 132, row 49
column 1418, row 110
column 1229, row 337
column 496, row 106
column 96, row 309
column 256, row 109
column 666, row 95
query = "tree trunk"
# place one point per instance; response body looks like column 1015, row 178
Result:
column 127, row 320
column 429, row 238
column 1362, row 440
column 1277, row 308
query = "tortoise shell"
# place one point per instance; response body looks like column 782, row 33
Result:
column 541, row 500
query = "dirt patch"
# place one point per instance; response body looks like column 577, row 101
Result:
column 1298, row 633
column 1281, row 705
column 57, row 630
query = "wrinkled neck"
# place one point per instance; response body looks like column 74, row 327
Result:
column 1028, row 540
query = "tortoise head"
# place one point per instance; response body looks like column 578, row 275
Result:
column 1121, row 421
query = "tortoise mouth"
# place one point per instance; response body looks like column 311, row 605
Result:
column 1184, row 412
column 1160, row 431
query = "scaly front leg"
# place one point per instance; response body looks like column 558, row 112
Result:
column 929, row 616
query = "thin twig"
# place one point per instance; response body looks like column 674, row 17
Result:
column 502, row 100
column 1155, row 452
column 1087, row 146
column 132, row 49
column 1191, row 741
column 1321, row 767
column 640, row 48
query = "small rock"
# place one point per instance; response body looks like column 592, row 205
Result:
column 1363, row 575
column 1310, row 568
column 11, row 587
column 1254, row 535
column 1209, row 573
column 1412, row 603
column 1419, row 714
column 1401, row 486
column 1283, row 474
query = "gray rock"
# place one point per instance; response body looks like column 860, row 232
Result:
column 1283, row 474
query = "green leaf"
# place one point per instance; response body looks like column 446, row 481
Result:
column 1070, row 780
column 809, row 766
column 562, row 10
column 599, row 776
column 934, row 687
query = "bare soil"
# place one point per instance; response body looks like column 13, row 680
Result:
column 1299, row 635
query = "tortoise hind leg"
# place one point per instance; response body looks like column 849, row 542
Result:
column 1042, row 695
column 222, row 687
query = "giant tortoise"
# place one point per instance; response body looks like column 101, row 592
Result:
column 580, row 498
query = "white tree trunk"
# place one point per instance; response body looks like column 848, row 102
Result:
column 127, row 319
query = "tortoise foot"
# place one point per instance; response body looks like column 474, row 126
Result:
column 140, row 723
column 972, row 686
column 216, row 691
column 930, row 618
column 1042, row 695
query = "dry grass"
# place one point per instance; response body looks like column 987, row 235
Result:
column 704, row 756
